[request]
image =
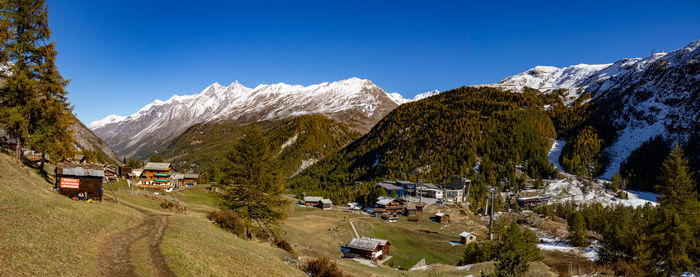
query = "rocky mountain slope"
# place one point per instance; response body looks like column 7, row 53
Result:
column 86, row 139
column 639, row 97
column 358, row 102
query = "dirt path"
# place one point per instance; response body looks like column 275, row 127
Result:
column 115, row 257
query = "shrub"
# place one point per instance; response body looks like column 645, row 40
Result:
column 462, row 212
column 323, row 268
column 478, row 253
column 228, row 220
column 283, row 244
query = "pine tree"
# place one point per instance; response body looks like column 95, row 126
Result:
column 577, row 231
column 516, row 250
column 675, row 233
column 253, row 183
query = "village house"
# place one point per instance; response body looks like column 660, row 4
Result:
column 388, row 205
column 157, row 175
column 111, row 172
column 389, row 187
column 326, row 204
column 312, row 201
column 466, row 237
column 412, row 208
column 124, row 170
column 190, row 179
column 72, row 180
column 442, row 217
column 370, row 248
column 457, row 189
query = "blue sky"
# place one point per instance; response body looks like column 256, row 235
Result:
column 121, row 55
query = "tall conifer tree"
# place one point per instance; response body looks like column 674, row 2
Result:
column 674, row 234
column 253, row 182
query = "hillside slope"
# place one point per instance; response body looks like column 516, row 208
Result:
column 46, row 234
column 636, row 99
column 86, row 139
column 299, row 142
column 441, row 136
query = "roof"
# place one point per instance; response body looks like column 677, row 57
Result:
column 429, row 185
column 389, row 186
column 410, row 206
column 457, row 183
column 326, row 201
column 79, row 171
column 464, row 234
column 137, row 171
column 366, row 243
column 385, row 200
column 178, row 176
column 191, row 176
column 156, row 166
column 313, row 199
column 439, row 214
column 404, row 183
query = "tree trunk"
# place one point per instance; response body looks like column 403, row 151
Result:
column 41, row 165
column 18, row 150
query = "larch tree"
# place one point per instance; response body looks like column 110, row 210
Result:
column 33, row 106
column 253, row 182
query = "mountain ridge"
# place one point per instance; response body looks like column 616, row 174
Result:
column 358, row 102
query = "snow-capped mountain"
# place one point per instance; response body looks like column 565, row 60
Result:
column 399, row 99
column 356, row 101
column 640, row 97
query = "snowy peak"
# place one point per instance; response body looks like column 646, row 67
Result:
column 112, row 118
column 399, row 99
column 353, row 100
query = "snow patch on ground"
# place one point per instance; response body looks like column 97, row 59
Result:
column 572, row 189
column 364, row 262
column 629, row 140
column 550, row 244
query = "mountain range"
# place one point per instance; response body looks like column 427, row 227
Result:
column 357, row 102
column 639, row 97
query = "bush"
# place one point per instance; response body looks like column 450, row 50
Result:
column 283, row 244
column 462, row 212
column 323, row 268
column 622, row 194
column 478, row 253
column 228, row 220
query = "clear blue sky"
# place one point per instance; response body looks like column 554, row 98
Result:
column 121, row 55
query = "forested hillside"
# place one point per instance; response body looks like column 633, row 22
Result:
column 298, row 142
column 442, row 136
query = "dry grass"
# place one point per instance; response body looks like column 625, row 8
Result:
column 45, row 233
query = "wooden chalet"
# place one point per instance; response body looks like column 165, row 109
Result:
column 442, row 217
column 124, row 171
column 157, row 176
column 388, row 205
column 326, row 204
column 111, row 173
column 412, row 208
column 190, row 179
column 370, row 248
column 70, row 181
column 466, row 237
column 312, row 201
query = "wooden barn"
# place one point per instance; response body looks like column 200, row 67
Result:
column 442, row 217
column 73, row 180
column 326, row 204
column 466, row 237
column 412, row 208
column 370, row 248
column 189, row 179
